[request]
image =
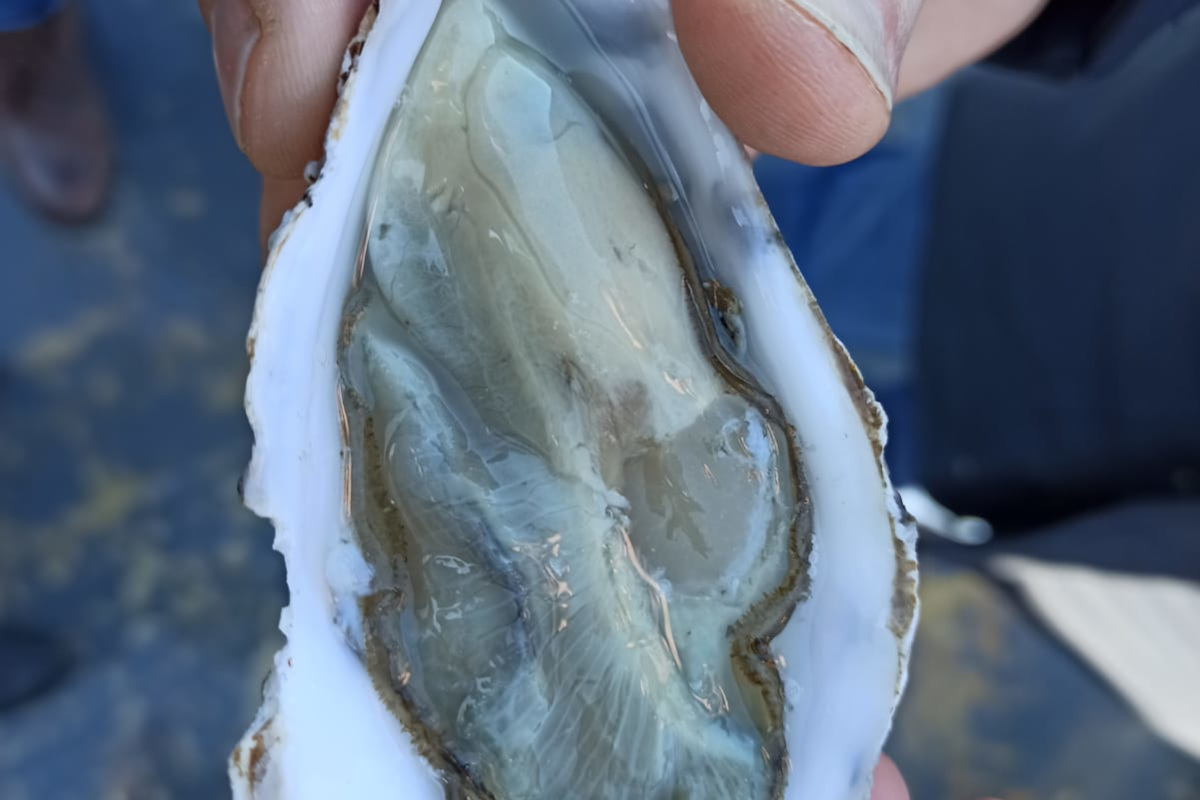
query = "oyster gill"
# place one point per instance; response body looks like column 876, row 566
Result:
column 600, row 443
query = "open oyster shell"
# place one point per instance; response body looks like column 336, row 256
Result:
column 577, row 492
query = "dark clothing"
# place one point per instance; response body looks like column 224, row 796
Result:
column 1088, row 37
column 1059, row 350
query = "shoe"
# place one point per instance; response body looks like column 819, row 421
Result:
column 54, row 133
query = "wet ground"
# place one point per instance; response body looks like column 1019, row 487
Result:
column 138, row 599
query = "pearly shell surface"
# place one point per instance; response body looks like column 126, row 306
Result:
column 325, row 729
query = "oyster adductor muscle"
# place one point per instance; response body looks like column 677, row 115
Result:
column 578, row 495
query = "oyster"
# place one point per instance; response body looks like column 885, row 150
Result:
column 578, row 495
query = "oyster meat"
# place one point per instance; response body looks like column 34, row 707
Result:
column 578, row 495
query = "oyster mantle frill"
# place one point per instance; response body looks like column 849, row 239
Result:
column 577, row 493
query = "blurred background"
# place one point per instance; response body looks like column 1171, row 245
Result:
column 1016, row 268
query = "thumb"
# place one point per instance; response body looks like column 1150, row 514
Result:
column 278, row 63
column 809, row 80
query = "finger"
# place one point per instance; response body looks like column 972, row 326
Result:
column 949, row 34
column 888, row 785
column 279, row 195
column 278, row 63
column 787, row 86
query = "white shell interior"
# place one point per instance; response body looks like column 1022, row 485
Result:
column 323, row 731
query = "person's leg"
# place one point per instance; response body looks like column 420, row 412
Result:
column 18, row 15
column 54, row 135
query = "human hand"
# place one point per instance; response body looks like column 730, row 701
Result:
column 888, row 785
column 779, row 79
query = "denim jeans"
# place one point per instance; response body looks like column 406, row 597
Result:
column 18, row 14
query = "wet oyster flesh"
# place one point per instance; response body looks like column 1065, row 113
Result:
column 559, row 501
column 580, row 524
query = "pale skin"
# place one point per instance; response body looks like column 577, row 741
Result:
column 781, row 82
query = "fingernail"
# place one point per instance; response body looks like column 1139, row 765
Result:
column 235, row 31
column 874, row 31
